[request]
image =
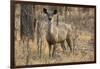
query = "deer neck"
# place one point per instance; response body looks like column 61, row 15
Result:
column 50, row 27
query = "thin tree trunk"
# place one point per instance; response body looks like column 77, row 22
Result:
column 26, row 28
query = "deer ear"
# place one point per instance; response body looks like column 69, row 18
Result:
column 55, row 12
column 44, row 10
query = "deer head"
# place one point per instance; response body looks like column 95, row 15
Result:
column 49, row 13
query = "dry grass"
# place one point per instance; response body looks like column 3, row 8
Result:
column 83, row 51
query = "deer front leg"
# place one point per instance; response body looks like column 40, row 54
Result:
column 50, row 50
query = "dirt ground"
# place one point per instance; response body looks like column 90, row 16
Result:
column 84, row 51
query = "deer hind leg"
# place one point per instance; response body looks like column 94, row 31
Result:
column 63, row 46
column 70, row 43
column 54, row 48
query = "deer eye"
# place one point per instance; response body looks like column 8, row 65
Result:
column 55, row 12
column 44, row 10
